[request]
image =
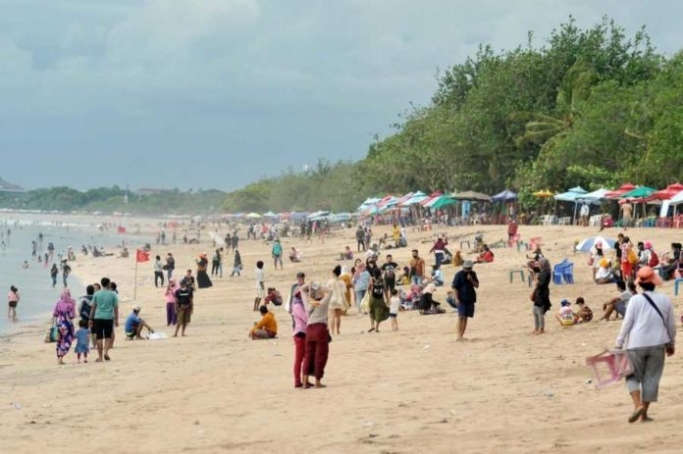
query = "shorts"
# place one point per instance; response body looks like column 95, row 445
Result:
column 184, row 315
column 466, row 310
column 393, row 315
column 390, row 283
column 102, row 329
column 12, row 304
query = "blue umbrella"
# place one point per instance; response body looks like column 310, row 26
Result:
column 587, row 244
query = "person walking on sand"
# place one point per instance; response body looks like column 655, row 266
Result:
column 649, row 333
column 63, row 313
column 338, row 301
column 260, row 285
column 276, row 253
column 13, row 299
column 541, row 295
column 170, row 299
column 236, row 264
column 158, row 272
column 184, row 307
column 54, row 272
column 104, row 316
column 465, row 285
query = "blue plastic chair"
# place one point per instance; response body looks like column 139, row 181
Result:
column 558, row 272
column 568, row 273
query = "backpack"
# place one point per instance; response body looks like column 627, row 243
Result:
column 654, row 259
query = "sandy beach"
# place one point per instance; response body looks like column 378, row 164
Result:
column 411, row 391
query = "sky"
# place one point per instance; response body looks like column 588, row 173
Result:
column 202, row 94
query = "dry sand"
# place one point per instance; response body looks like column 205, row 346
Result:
column 411, row 391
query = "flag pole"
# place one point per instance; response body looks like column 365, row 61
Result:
column 135, row 283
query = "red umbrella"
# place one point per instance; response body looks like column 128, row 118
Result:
column 668, row 192
column 622, row 190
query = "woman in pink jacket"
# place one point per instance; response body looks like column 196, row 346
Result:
column 300, row 318
column 170, row 302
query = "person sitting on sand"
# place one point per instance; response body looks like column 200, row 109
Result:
column 486, row 255
column 604, row 274
column 457, row 259
column 124, row 253
column 295, row 255
column 427, row 304
column 273, row 296
column 565, row 316
column 266, row 328
column 347, row 254
column 437, row 277
column 135, row 324
column 404, row 277
column 618, row 303
column 584, row 314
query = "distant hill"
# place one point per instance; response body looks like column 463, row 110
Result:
column 10, row 187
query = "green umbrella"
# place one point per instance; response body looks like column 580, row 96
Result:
column 638, row 193
column 442, row 202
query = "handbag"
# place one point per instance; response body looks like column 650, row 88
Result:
column 51, row 335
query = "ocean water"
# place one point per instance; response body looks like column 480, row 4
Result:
column 35, row 284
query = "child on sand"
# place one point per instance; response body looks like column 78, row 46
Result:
column 565, row 316
column 584, row 314
column 394, row 307
column 82, row 337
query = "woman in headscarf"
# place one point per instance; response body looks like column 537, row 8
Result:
column 317, row 334
column 203, row 280
column 541, row 295
column 338, row 302
column 379, row 311
column 300, row 319
column 64, row 313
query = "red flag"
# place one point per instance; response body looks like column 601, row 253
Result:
column 141, row 256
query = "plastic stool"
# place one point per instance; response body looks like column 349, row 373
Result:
column 521, row 275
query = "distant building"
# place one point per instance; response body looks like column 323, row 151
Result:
column 151, row 191
column 10, row 187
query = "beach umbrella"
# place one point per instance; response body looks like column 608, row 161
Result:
column 471, row 195
column 668, row 192
column 270, row 214
column 624, row 188
column 544, row 194
column 254, row 216
column 677, row 199
column 504, row 196
column 638, row 193
column 587, row 244
column 443, row 202
column 594, row 197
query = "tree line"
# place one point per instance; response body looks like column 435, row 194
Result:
column 591, row 107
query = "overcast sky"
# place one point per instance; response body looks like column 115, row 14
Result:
column 216, row 93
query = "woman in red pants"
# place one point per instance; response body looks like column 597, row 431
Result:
column 300, row 319
column 317, row 334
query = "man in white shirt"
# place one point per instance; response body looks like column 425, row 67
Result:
column 648, row 332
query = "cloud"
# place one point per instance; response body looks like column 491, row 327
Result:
column 286, row 81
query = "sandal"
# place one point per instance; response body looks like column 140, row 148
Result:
column 635, row 416
column 107, row 358
column 371, row 330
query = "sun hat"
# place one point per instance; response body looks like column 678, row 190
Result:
column 646, row 275
column 468, row 264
